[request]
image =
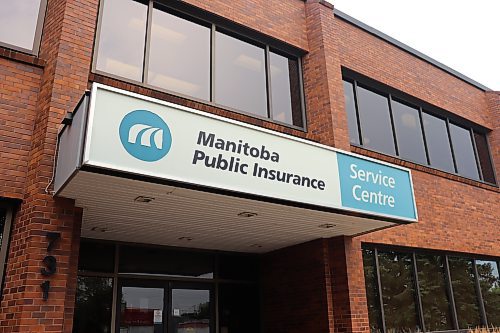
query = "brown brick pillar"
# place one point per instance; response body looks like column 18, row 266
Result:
column 296, row 289
column 493, row 99
column 66, row 48
column 324, row 92
column 348, row 283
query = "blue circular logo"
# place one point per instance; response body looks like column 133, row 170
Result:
column 145, row 135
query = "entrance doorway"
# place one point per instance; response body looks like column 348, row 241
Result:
column 165, row 307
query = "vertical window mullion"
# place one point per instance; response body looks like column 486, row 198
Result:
column 268, row 84
column 423, row 135
column 391, row 117
column 476, row 155
column 356, row 107
column 479, row 295
column 379, row 286
column 212, row 64
column 450, row 291
column 451, row 145
column 147, row 43
column 417, row 289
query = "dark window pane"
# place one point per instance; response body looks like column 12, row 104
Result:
column 239, row 308
column 464, row 151
column 96, row 257
column 408, row 132
column 240, row 79
column 464, row 292
column 191, row 311
column 489, row 280
column 375, row 121
column 141, row 310
column 179, row 58
column 398, row 292
column 484, row 157
column 238, row 267
column 372, row 295
column 285, row 90
column 165, row 262
column 438, row 143
column 122, row 38
column 18, row 21
column 94, row 298
column 433, row 293
column 3, row 217
column 350, row 108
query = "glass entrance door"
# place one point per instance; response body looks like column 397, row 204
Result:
column 191, row 310
column 164, row 307
column 142, row 309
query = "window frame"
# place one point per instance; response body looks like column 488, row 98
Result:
column 375, row 248
column 38, row 33
column 4, row 248
column 220, row 24
column 422, row 107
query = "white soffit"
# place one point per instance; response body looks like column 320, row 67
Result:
column 210, row 220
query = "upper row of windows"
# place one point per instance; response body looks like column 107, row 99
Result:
column 384, row 123
column 148, row 44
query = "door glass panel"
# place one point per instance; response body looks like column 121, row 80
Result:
column 190, row 311
column 141, row 310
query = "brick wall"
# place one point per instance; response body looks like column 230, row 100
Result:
column 19, row 87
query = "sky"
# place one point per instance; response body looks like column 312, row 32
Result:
column 461, row 34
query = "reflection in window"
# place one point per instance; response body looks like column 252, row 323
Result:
column 464, row 151
column 398, row 292
column 484, row 157
column 350, row 107
column 94, row 298
column 371, row 286
column 464, row 292
column 179, row 56
column 122, row 37
column 408, row 132
column 375, row 121
column 18, row 22
column 240, row 78
column 285, row 89
column 433, row 293
column 489, row 280
column 438, row 143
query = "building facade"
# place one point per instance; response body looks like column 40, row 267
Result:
column 244, row 166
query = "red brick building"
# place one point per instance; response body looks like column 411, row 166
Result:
column 112, row 240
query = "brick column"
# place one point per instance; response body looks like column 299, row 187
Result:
column 324, row 92
column 66, row 48
column 348, row 283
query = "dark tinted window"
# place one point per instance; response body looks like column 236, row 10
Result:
column 398, row 292
column 464, row 292
column 375, row 121
column 240, row 77
column 121, row 40
column 165, row 262
column 408, row 132
column 2, row 226
column 238, row 267
column 96, row 257
column 239, row 308
column 438, row 143
column 464, row 151
column 179, row 56
column 350, row 108
column 489, row 280
column 93, row 302
column 18, row 22
column 372, row 295
column 484, row 157
column 433, row 293
column 285, row 89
